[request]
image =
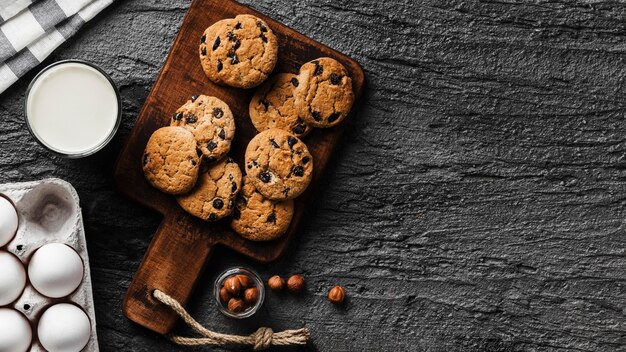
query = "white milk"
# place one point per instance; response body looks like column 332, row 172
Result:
column 72, row 108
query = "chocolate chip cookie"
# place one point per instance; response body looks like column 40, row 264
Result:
column 214, row 194
column 239, row 52
column 324, row 95
column 171, row 161
column 258, row 218
column 211, row 122
column 279, row 164
column 273, row 106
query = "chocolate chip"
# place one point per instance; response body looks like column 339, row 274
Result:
column 316, row 115
column 216, row 43
column 274, row 144
column 237, row 44
column 271, row 218
column 236, row 214
column 19, row 248
column 231, row 177
column 219, row 65
column 218, row 203
column 234, row 187
column 261, row 26
column 221, row 134
column 249, row 166
column 212, row 217
column 263, row 38
column 231, row 36
column 218, row 113
column 335, row 78
column 265, row 176
column 255, row 163
column 241, row 201
column 291, row 141
column 238, row 25
column 177, row 116
column 26, row 306
column 295, row 82
column 211, row 145
column 265, row 104
column 203, row 38
column 333, row 117
column 306, row 159
column 193, row 98
column 233, row 58
column 191, row 118
column 204, row 51
column 299, row 129
column 298, row 171
column 145, row 159
column 193, row 162
column 318, row 68
column 210, row 159
column 286, row 191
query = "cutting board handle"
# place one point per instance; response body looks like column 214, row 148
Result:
column 173, row 264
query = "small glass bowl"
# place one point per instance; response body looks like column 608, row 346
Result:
column 255, row 279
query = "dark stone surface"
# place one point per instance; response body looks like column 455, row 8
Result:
column 478, row 200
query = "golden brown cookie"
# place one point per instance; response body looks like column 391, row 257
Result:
column 171, row 161
column 279, row 164
column 324, row 96
column 214, row 194
column 273, row 106
column 239, row 52
column 211, row 122
column 258, row 218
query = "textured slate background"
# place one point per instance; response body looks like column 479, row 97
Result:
column 478, row 200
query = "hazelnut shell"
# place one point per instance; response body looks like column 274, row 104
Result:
column 236, row 305
column 336, row 294
column 295, row 284
column 251, row 295
column 276, row 283
column 232, row 285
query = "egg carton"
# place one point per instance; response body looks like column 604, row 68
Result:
column 49, row 212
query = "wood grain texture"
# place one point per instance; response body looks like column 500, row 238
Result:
column 477, row 203
column 181, row 246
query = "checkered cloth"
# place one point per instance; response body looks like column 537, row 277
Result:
column 31, row 29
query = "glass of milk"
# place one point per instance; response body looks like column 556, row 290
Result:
column 73, row 108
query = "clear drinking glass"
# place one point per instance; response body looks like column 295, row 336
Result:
column 255, row 279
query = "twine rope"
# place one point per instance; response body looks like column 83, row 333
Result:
column 261, row 339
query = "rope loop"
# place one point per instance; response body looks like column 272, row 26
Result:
column 261, row 339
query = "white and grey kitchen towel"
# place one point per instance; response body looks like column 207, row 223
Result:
column 31, row 29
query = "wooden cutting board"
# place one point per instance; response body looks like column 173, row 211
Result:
column 182, row 244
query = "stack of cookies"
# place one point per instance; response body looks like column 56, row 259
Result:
column 189, row 158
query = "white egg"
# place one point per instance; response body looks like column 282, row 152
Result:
column 12, row 278
column 8, row 221
column 64, row 328
column 15, row 331
column 55, row 270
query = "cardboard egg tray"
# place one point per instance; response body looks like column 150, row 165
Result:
column 49, row 212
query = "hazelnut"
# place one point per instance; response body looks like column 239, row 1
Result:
column 224, row 295
column 336, row 294
column 244, row 280
column 295, row 284
column 251, row 295
column 276, row 283
column 236, row 305
column 232, row 285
